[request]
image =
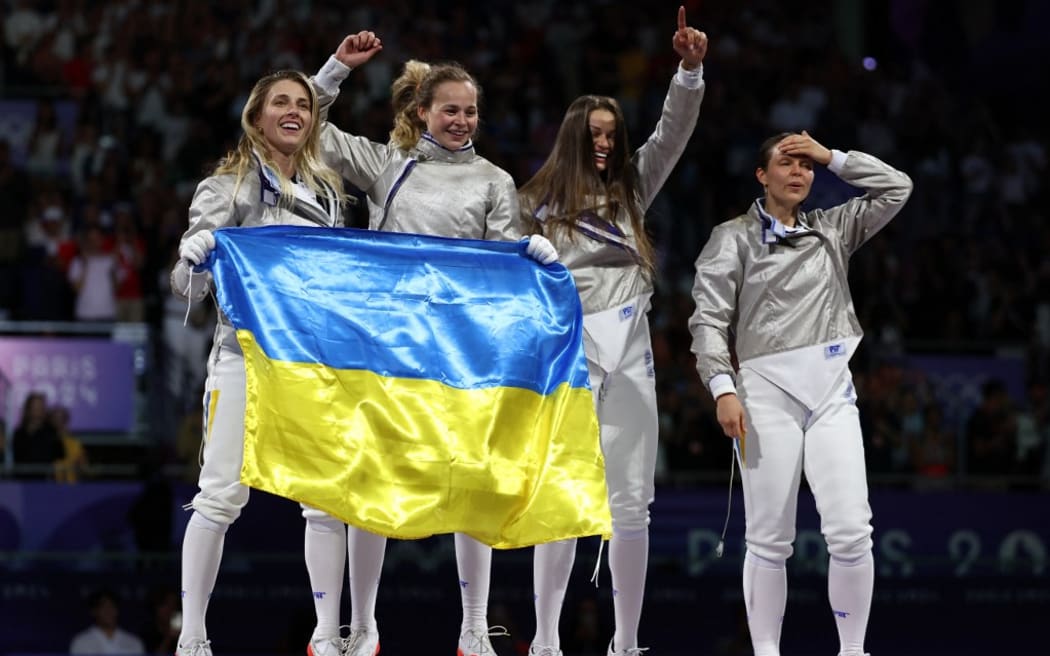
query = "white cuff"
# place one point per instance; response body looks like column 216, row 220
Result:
column 332, row 75
column 188, row 285
column 721, row 384
column 693, row 79
column 838, row 160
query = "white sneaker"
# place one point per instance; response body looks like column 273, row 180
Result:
column 630, row 651
column 475, row 642
column 362, row 642
column 194, row 648
column 326, row 647
column 538, row 650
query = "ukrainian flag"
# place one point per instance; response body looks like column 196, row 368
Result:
column 414, row 385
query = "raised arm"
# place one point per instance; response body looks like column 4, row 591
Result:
column 357, row 159
column 660, row 153
column 859, row 218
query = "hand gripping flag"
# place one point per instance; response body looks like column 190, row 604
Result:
column 414, row 385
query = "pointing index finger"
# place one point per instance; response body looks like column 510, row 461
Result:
column 681, row 17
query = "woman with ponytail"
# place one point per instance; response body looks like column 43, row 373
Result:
column 427, row 179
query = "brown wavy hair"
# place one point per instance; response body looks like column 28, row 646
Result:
column 570, row 184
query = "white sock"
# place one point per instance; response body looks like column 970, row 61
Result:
column 474, row 564
column 201, row 555
column 367, row 551
column 325, row 550
column 850, row 584
column 765, row 596
column 551, row 567
column 628, row 562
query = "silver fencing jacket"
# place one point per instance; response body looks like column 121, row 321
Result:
column 427, row 190
column 601, row 251
column 777, row 291
column 214, row 206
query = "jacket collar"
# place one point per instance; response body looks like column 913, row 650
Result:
column 427, row 148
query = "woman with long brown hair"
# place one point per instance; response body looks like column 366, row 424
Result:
column 589, row 198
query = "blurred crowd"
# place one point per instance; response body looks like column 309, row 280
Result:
column 127, row 104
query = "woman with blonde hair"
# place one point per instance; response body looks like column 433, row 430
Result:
column 275, row 176
column 427, row 179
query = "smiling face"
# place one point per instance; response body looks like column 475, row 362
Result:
column 787, row 179
column 452, row 117
column 602, row 124
column 285, row 117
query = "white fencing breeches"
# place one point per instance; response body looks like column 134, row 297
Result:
column 620, row 361
column 785, row 439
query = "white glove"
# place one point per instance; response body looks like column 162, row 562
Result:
column 195, row 248
column 541, row 249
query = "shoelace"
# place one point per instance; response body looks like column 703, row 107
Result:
column 544, row 651
column 197, row 648
column 478, row 642
column 340, row 643
column 632, row 651
column 358, row 637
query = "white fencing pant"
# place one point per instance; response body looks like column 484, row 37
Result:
column 620, row 362
column 222, row 496
column 784, row 439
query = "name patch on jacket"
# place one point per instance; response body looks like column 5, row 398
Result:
column 834, row 351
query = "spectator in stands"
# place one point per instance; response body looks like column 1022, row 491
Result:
column 47, row 143
column 933, row 453
column 164, row 623
column 36, row 442
column 94, row 275
column 104, row 636
column 130, row 252
column 991, row 432
column 14, row 189
column 70, row 468
column 1033, row 430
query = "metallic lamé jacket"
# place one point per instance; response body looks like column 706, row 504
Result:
column 776, row 294
column 428, row 189
column 214, row 206
column 604, row 265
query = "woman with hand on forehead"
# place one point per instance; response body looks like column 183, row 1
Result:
column 776, row 280
column 427, row 179
column 589, row 198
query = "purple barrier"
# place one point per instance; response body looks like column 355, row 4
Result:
column 917, row 534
